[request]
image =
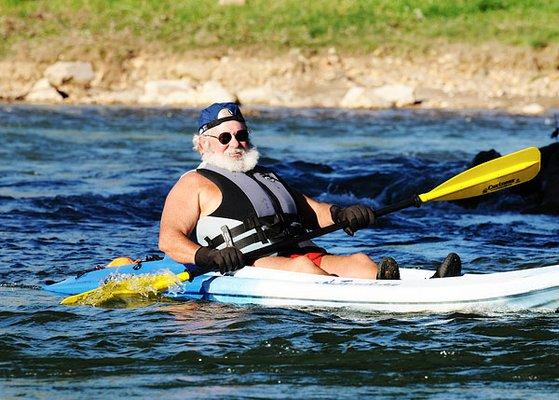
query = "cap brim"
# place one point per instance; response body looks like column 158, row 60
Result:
column 218, row 121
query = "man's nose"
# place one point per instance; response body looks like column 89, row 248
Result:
column 234, row 142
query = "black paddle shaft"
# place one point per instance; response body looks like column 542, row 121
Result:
column 251, row 256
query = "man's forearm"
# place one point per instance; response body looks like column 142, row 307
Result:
column 322, row 212
column 324, row 216
column 178, row 247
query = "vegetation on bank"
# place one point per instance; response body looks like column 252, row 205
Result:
column 102, row 26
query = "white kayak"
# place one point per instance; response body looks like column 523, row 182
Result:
column 527, row 289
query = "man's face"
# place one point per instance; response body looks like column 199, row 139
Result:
column 235, row 149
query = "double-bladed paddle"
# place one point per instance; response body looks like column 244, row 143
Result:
column 491, row 176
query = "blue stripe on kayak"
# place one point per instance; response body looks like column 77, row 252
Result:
column 205, row 287
column 206, row 296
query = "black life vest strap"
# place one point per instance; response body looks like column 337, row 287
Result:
column 276, row 226
column 252, row 222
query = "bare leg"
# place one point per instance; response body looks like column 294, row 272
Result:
column 354, row 266
column 299, row 264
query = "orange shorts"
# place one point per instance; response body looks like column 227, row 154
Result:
column 314, row 256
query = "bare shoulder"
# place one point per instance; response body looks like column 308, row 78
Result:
column 190, row 180
column 191, row 184
column 182, row 205
column 190, row 177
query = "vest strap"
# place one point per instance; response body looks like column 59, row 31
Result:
column 252, row 222
column 267, row 229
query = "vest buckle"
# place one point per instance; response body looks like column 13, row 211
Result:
column 227, row 238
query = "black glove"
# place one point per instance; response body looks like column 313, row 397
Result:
column 226, row 260
column 353, row 218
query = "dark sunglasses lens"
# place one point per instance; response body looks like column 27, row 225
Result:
column 224, row 137
column 242, row 135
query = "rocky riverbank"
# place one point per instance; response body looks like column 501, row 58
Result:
column 456, row 77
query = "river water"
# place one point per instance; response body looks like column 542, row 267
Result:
column 82, row 185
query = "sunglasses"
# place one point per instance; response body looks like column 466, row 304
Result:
column 225, row 137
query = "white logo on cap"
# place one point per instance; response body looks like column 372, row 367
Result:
column 224, row 112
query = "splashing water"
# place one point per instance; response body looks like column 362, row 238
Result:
column 126, row 288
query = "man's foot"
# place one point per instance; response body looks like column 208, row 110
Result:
column 388, row 269
column 451, row 266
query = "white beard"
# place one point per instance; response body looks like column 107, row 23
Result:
column 245, row 163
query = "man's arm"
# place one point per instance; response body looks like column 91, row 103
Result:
column 321, row 210
column 181, row 212
column 352, row 218
column 179, row 217
column 315, row 214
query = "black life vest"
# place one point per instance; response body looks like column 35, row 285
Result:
column 257, row 209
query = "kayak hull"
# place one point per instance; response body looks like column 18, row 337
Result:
column 530, row 289
column 485, row 293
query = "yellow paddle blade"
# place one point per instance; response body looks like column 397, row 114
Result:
column 119, row 261
column 491, row 176
column 122, row 287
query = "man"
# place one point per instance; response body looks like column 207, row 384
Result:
column 229, row 206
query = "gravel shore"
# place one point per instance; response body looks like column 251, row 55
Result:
column 515, row 80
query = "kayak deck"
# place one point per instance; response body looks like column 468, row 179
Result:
column 529, row 289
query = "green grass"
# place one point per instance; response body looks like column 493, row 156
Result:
column 350, row 26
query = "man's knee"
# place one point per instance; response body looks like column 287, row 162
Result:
column 303, row 264
column 362, row 259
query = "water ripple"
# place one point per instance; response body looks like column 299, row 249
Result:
column 81, row 185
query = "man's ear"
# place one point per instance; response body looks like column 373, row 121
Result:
column 202, row 144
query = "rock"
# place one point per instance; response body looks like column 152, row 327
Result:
column 262, row 95
column 232, row 2
column 80, row 73
column 197, row 70
column 180, row 91
column 380, row 97
column 532, row 109
column 333, row 57
column 539, row 195
column 167, row 92
column 42, row 91
column 213, row 92
column 398, row 95
column 361, row 97
column 418, row 14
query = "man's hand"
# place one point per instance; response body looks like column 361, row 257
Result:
column 353, row 218
column 226, row 260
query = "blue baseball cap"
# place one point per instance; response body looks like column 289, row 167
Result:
column 217, row 113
